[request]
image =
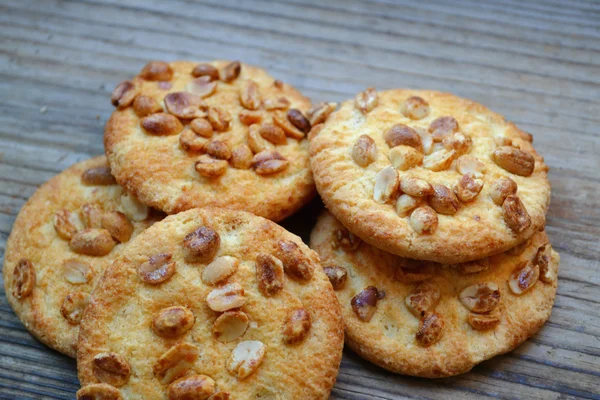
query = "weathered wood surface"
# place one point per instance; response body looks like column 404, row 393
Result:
column 538, row 63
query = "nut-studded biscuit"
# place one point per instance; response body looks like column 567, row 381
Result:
column 429, row 175
column 62, row 240
column 223, row 134
column 432, row 320
column 212, row 302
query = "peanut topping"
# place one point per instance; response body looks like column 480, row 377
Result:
column 157, row 269
column 92, row 242
column 98, row 176
column 218, row 149
column 481, row 298
column 230, row 326
column 337, row 276
column 123, row 95
column 144, row 105
column 226, row 297
column 175, row 362
column 202, row 87
column 185, row 105
column 272, row 133
column 414, row 273
column 99, row 391
column 201, row 245
column 282, row 120
column 201, row 127
column 77, row 271
column 483, row 322
column 73, row 306
column 117, row 224
column 280, row 103
column 443, row 200
column 256, row 142
column 501, row 189
column 220, row 269
column 157, row 71
column 250, row 95
column 386, row 184
column 296, row 326
column 173, row 322
column 346, row 240
column 193, row 387
column 405, row 157
column 431, row 329
column 23, row 279
column 111, row 368
column 161, row 124
column 66, row 224
column 319, row 112
column 400, row 134
column 367, row 100
column 364, row 151
column 542, row 260
column 416, row 187
column 424, row 298
column 364, row 303
column 514, row 160
column 269, row 162
column 248, row 117
column 443, row 126
column 439, row 160
column 246, row 358
column 298, row 120
column 192, row 142
column 210, row 167
column 206, row 70
column 468, row 164
column 468, row 187
column 231, row 71
column 241, row 157
column 295, row 263
column 134, row 210
column 269, row 274
column 91, row 215
column 405, row 204
column 515, row 214
column 426, row 140
column 424, row 220
column 219, row 119
column 415, row 107
column 458, row 142
column 523, row 277
column 473, row 267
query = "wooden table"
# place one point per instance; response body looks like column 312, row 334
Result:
column 538, row 63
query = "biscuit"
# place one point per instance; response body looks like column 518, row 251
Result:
column 432, row 320
column 429, row 175
column 62, row 240
column 220, row 134
column 212, row 301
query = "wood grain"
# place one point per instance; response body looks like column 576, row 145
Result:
column 536, row 62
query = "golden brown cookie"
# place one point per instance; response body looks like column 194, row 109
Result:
column 429, row 175
column 62, row 240
column 223, row 134
column 212, row 301
column 431, row 320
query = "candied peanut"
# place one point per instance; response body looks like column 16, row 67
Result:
column 157, row 71
column 202, row 86
column 173, row 322
column 468, row 187
column 123, row 95
column 415, row 107
column 73, row 306
column 157, row 269
column 386, row 184
column 422, row 299
column 483, row 322
column 443, row 200
column 401, row 134
column 542, row 260
column 416, row 187
column 23, row 279
column 241, row 157
column 431, row 329
column 269, row 162
column 439, row 160
column 337, row 276
column 514, row 160
column 219, row 119
column 473, row 267
column 458, row 142
column 145, row 105
column 193, row 387
column 226, row 297
column 66, row 223
column 77, row 271
column 365, row 302
column 218, row 149
column 501, row 189
column 250, row 95
column 206, row 70
column 246, row 358
column 424, row 220
column 515, row 214
column 299, row 120
column 91, row 215
column 220, row 269
column 201, row 245
column 480, row 298
column 175, row 362
column 272, row 133
column 320, row 112
column 98, row 176
column 295, row 262
column 281, row 119
column 201, row 127
column 185, row 105
column 406, row 203
column 523, row 277
column 405, row 157
column 296, row 326
column 364, row 151
column 367, row 100
column 230, row 326
column 280, row 103
column 231, row 71
column 117, row 224
column 248, row 117
column 443, row 126
column 468, row 164
column 269, row 274
column 161, row 124
column 346, row 240
column 418, row 273
column 99, row 391
column 111, row 368
column 210, row 167
column 134, row 210
column 92, row 242
column 192, row 142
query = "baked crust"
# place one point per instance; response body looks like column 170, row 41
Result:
column 122, row 309
column 161, row 173
column 34, row 238
column 388, row 339
column 476, row 230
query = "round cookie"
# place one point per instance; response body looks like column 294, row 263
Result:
column 64, row 237
column 212, row 301
column 432, row 320
column 429, row 175
column 221, row 134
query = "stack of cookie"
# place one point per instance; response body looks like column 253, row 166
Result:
column 435, row 243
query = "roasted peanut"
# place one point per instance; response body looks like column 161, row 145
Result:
column 218, row 149
column 66, row 223
column 337, row 276
column 468, row 187
column 230, row 326
column 123, row 95
column 364, row 151
column 405, row 157
column 201, row 245
column 442, row 127
column 23, row 279
column 415, row 107
column 298, row 120
column 99, row 391
column 405, row 204
column 210, row 167
column 91, row 215
column 219, row 270
column 281, row 119
column 501, row 189
column 480, row 298
column 483, row 322
column 111, row 368
column 157, row 71
column 175, row 362
column 386, row 184
column 269, row 274
column 468, row 164
column 415, row 187
column 431, row 329
column 296, row 326
column 157, row 269
column 515, row 214
column 514, row 160
column 365, row 302
column 246, row 358
column 202, row 87
column 161, row 124
column 424, row 220
column 295, row 263
column 269, row 162
column 219, row 119
column 248, row 117
column 346, row 240
column 231, row 71
column 226, row 297
column 173, row 322
column 542, row 260
column 73, row 306
column 272, row 133
column 98, row 176
column 400, row 134
column 206, row 70
column 241, row 157
column 92, row 242
column 250, row 95
column 185, row 105
column 117, row 224
column 443, row 200
column 523, row 277
column 145, row 105
column 76, row 271
column 439, row 160
column 320, row 112
column 193, row 387
column 367, row 100
column 422, row 299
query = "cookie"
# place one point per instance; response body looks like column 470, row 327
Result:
column 221, row 134
column 432, row 320
column 429, row 175
column 212, row 302
column 64, row 237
